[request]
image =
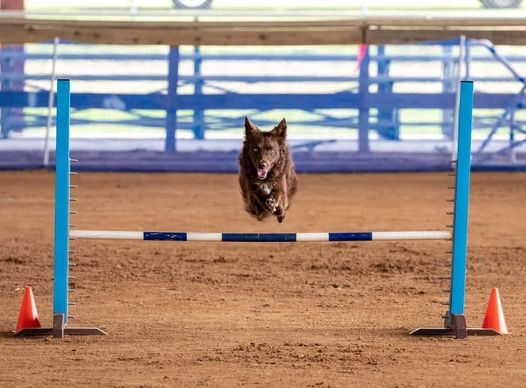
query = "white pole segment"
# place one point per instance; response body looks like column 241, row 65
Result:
column 412, row 235
column 312, row 236
column 462, row 44
column 106, row 234
column 204, row 237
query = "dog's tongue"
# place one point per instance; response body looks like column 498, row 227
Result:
column 262, row 173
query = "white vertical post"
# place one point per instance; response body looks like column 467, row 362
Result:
column 460, row 77
column 365, row 7
column 133, row 7
column 51, row 102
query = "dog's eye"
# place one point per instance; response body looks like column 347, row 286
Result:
column 272, row 150
column 255, row 149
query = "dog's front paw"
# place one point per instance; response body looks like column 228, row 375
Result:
column 281, row 217
column 271, row 204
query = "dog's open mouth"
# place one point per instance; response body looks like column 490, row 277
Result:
column 262, row 173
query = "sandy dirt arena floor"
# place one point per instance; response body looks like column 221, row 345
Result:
column 313, row 314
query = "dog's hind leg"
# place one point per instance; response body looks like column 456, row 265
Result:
column 281, row 200
column 257, row 210
column 261, row 213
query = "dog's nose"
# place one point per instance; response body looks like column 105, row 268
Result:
column 262, row 164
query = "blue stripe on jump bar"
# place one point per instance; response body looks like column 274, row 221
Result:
column 259, row 237
column 163, row 236
column 367, row 236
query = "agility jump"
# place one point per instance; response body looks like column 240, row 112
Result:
column 454, row 323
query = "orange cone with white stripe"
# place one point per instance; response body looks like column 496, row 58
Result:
column 494, row 318
column 28, row 317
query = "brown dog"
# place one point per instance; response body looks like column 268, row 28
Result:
column 266, row 175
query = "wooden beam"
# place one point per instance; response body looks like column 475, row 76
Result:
column 351, row 30
column 108, row 34
column 400, row 36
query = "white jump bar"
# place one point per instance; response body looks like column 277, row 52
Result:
column 259, row 237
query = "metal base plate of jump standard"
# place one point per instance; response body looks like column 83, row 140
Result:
column 60, row 329
column 454, row 323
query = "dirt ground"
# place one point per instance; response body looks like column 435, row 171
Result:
column 312, row 314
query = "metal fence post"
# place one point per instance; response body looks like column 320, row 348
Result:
column 363, row 115
column 171, row 110
column 6, row 114
column 388, row 115
column 449, row 84
column 198, row 125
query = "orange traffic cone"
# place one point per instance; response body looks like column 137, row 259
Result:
column 494, row 318
column 28, row 317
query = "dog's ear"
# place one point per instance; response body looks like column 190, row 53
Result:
column 250, row 128
column 281, row 130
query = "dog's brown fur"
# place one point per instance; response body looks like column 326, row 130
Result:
column 266, row 175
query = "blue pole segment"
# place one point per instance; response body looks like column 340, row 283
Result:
column 460, row 222
column 163, row 236
column 61, row 264
column 365, row 236
column 259, row 237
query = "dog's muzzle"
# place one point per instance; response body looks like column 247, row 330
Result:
column 262, row 173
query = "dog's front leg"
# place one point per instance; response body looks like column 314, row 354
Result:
column 272, row 203
column 283, row 200
column 280, row 213
column 277, row 202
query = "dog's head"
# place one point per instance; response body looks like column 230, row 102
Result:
column 264, row 150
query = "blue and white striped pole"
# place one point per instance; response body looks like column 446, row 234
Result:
column 61, row 265
column 460, row 222
column 260, row 237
